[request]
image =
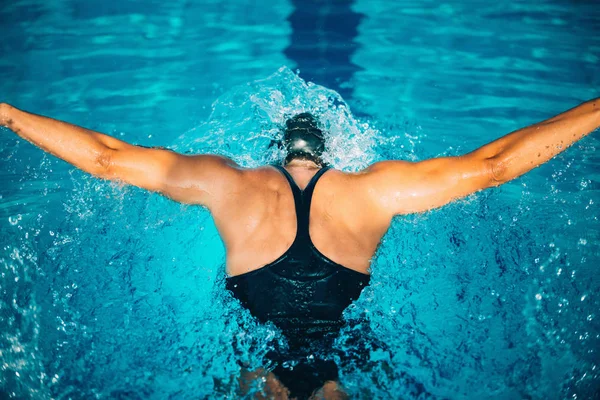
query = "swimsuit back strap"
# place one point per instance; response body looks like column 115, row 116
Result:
column 308, row 192
column 302, row 199
column 296, row 192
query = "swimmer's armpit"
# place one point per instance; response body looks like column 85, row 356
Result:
column 198, row 179
column 400, row 187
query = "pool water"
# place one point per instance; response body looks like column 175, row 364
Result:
column 108, row 291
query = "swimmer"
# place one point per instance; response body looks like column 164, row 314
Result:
column 300, row 236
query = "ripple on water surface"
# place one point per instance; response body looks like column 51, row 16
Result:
column 120, row 293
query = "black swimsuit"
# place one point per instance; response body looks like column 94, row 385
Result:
column 304, row 294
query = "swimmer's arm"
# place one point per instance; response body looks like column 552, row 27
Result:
column 400, row 187
column 196, row 179
column 78, row 146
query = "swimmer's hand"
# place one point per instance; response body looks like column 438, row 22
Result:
column 4, row 114
column 400, row 187
column 198, row 179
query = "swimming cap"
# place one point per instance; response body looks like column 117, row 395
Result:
column 303, row 139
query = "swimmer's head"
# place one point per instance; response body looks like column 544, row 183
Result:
column 302, row 139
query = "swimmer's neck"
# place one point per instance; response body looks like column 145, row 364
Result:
column 300, row 163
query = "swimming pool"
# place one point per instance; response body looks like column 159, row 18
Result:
column 111, row 292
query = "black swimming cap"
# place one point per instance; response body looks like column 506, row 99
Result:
column 303, row 139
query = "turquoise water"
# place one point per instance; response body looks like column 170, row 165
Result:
column 112, row 292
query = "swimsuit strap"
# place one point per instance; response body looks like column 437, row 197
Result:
column 302, row 199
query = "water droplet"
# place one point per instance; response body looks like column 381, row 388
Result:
column 13, row 220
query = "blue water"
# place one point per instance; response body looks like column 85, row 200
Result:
column 111, row 292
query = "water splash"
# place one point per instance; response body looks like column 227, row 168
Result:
column 245, row 120
column 113, row 292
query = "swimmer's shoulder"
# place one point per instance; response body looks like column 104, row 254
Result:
column 269, row 178
column 263, row 178
column 364, row 192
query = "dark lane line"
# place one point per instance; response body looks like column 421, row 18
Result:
column 322, row 42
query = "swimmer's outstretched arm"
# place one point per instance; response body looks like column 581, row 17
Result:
column 198, row 179
column 400, row 187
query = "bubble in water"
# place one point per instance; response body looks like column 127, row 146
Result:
column 14, row 220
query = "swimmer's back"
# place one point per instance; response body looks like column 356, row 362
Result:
column 257, row 219
column 350, row 212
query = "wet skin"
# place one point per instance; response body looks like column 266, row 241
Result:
column 350, row 212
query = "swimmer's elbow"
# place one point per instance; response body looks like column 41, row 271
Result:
column 102, row 165
column 118, row 165
column 495, row 172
